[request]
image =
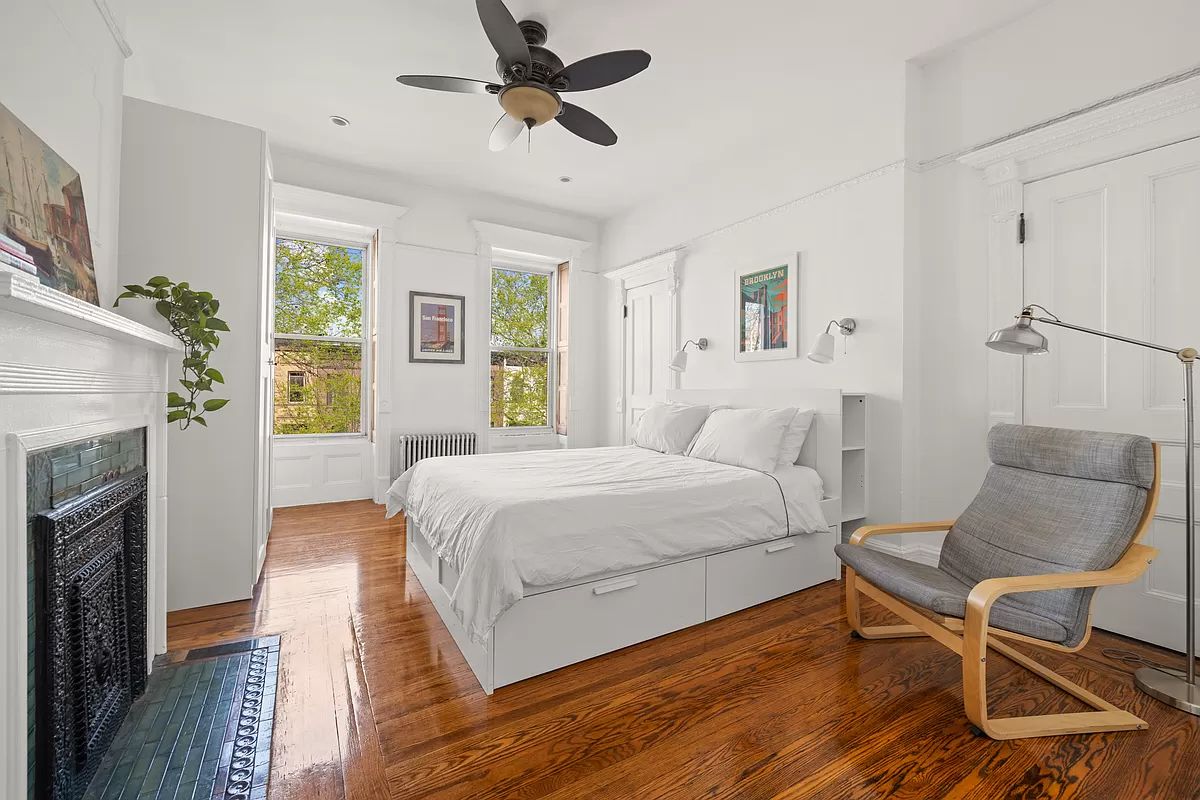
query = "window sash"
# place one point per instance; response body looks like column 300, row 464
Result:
column 550, row 349
column 364, row 340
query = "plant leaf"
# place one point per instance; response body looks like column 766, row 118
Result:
column 175, row 416
column 213, row 405
column 158, row 280
column 217, row 324
column 175, row 401
column 214, row 375
column 164, row 308
column 200, row 420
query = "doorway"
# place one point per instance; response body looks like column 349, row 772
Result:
column 1116, row 247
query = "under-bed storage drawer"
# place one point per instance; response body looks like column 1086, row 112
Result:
column 550, row 630
column 752, row 575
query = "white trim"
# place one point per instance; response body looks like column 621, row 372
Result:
column 353, row 217
column 35, row 379
column 328, row 207
column 23, row 294
column 533, row 244
column 110, row 20
column 13, row 624
column 661, row 267
column 1131, row 113
column 1140, row 121
column 920, row 552
column 522, row 249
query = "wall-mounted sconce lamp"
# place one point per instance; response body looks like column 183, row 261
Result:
column 822, row 351
column 679, row 361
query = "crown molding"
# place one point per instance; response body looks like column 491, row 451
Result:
column 660, row 266
column 1123, row 113
column 110, row 19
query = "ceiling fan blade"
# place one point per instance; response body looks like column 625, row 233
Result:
column 504, row 34
column 605, row 69
column 505, row 133
column 443, row 84
column 586, row 125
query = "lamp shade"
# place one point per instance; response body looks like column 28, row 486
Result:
column 822, row 351
column 1021, row 339
column 679, row 361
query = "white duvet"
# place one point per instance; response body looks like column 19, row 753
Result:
column 505, row 521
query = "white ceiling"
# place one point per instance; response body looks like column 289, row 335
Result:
column 725, row 76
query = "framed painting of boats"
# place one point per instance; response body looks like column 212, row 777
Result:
column 43, row 222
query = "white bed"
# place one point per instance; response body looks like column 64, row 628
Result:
column 542, row 559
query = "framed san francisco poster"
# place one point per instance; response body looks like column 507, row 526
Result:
column 435, row 330
column 766, row 317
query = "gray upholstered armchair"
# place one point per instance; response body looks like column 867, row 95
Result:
column 1060, row 513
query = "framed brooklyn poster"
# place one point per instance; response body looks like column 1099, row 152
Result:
column 767, row 310
column 435, row 331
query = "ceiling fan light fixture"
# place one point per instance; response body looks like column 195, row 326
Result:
column 526, row 101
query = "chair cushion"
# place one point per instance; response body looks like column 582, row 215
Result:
column 1096, row 456
column 1031, row 523
column 939, row 592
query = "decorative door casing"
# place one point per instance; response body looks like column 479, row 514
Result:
column 654, row 282
column 1144, row 124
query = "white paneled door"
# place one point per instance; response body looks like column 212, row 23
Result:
column 1117, row 247
column 647, row 349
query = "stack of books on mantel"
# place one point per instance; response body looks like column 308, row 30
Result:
column 14, row 256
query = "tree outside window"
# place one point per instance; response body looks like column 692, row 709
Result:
column 520, row 349
column 318, row 337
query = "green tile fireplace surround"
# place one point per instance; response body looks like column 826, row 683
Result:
column 54, row 476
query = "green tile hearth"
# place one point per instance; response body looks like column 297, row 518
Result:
column 201, row 730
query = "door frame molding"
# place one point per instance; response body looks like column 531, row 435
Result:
column 1146, row 121
column 661, row 267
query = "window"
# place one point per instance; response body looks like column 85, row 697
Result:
column 561, row 324
column 295, row 387
column 319, row 337
column 522, row 327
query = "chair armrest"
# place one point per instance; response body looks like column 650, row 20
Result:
column 1135, row 561
column 866, row 532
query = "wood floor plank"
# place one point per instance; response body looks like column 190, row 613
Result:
column 777, row 701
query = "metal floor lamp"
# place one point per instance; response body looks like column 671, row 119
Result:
column 1179, row 690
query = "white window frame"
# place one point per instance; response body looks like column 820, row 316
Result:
column 334, row 234
column 537, row 266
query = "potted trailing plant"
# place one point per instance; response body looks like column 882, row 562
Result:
column 193, row 319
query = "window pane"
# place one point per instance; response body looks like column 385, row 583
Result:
column 520, row 309
column 519, row 389
column 318, row 387
column 318, row 288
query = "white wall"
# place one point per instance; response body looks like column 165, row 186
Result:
column 437, row 253
column 1064, row 57
column 192, row 209
column 62, row 77
column 852, row 245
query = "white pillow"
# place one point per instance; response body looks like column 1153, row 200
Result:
column 669, row 427
column 743, row 437
column 793, row 439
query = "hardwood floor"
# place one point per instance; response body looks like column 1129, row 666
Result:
column 776, row 701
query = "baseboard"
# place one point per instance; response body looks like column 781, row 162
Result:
column 919, row 552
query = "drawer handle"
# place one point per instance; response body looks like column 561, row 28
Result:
column 615, row 587
column 775, row 548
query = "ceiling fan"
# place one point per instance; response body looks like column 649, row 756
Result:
column 533, row 78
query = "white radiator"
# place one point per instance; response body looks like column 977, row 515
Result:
column 415, row 446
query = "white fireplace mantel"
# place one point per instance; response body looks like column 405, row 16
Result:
column 69, row 370
column 24, row 295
